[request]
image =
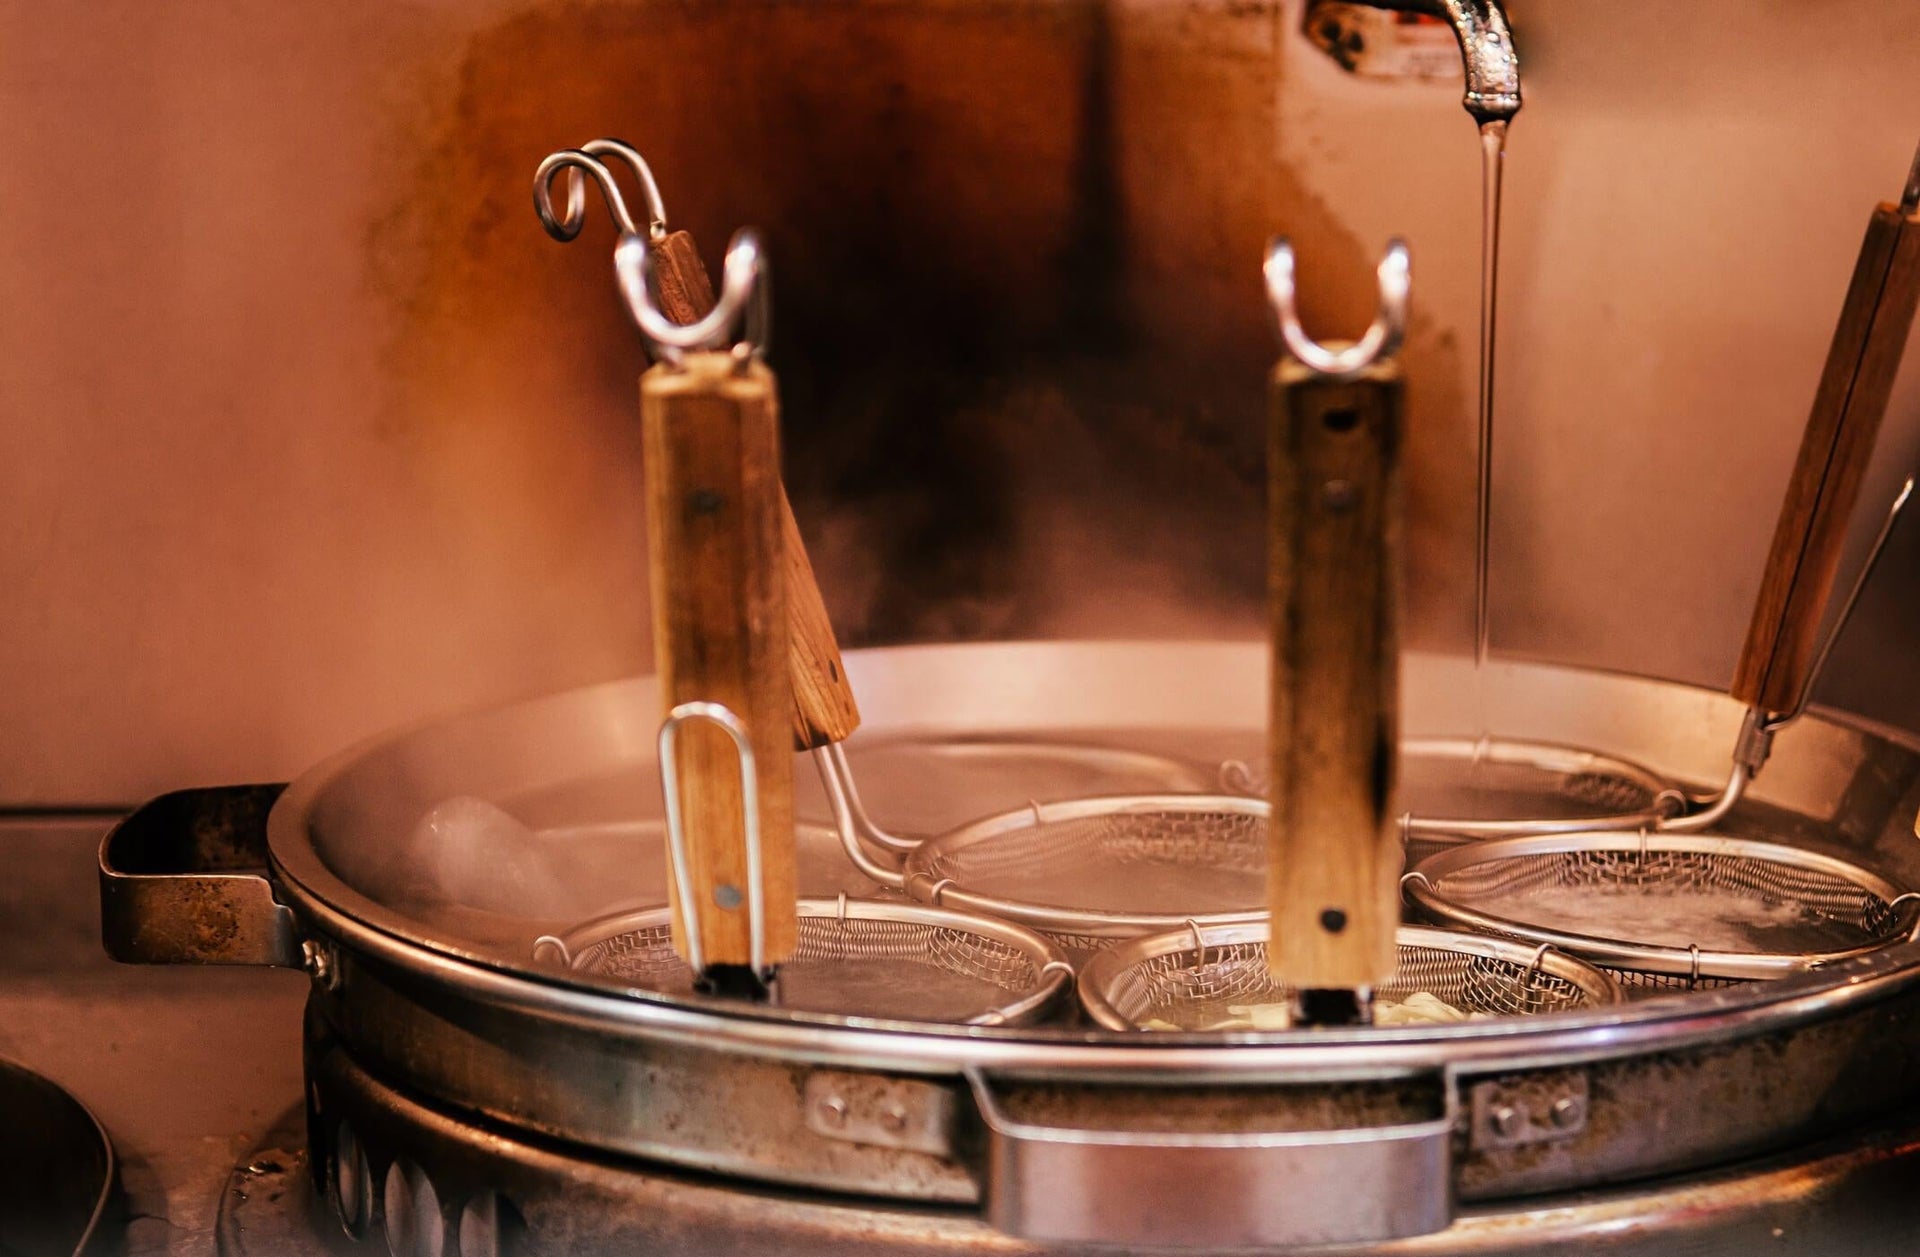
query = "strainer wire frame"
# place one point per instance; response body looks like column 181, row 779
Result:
column 1051, row 969
column 1102, row 972
column 1422, row 885
column 1666, row 801
column 1676, row 812
column 907, row 872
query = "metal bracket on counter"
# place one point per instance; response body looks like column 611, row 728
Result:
column 1531, row 1109
column 907, row 1114
column 183, row 880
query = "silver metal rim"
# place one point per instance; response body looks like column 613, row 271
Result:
column 332, row 910
column 1051, row 969
column 928, row 887
column 918, row 1047
column 1098, row 975
column 1421, row 885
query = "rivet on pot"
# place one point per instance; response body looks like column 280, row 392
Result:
column 833, row 1112
column 1507, row 1120
column 1567, row 1112
column 319, row 961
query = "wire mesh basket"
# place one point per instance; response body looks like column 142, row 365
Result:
column 1090, row 871
column 1217, row 977
column 1681, row 907
column 856, row 958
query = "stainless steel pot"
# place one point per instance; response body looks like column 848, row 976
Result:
column 1056, row 1135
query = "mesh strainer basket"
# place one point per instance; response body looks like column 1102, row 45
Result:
column 857, row 958
column 1089, row 871
column 1196, row 978
column 1676, row 906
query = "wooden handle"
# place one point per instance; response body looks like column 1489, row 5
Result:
column 824, row 708
column 720, row 633
column 1847, row 409
column 1333, row 460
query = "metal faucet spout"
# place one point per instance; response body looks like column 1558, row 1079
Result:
column 1493, row 69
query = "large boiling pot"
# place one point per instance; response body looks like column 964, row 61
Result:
column 464, row 1097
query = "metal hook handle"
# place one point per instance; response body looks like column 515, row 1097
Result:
column 743, row 299
column 1383, row 336
column 572, row 161
column 718, row 714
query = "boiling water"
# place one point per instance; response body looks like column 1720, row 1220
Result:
column 1724, row 921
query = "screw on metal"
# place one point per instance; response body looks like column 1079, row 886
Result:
column 1382, row 337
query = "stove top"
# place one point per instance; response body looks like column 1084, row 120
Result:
column 191, row 1071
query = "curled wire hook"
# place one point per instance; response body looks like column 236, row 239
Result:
column 573, row 161
column 1382, row 337
column 743, row 300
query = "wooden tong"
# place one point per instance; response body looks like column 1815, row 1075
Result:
column 1334, row 503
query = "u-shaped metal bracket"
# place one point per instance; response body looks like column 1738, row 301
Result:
column 743, row 300
column 723, row 716
column 1383, row 336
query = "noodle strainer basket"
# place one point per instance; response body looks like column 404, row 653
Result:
column 1668, row 908
column 1084, row 872
column 856, row 958
column 1192, row 979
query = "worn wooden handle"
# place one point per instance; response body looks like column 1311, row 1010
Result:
column 824, row 709
column 1334, row 514
column 712, row 444
column 1834, row 451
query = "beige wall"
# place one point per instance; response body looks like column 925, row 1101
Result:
column 305, row 429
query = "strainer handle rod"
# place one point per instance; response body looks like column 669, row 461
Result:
column 831, row 762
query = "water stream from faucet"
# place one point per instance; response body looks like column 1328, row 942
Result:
column 1493, row 153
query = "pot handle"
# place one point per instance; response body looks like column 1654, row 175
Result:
column 1216, row 1189
column 183, row 881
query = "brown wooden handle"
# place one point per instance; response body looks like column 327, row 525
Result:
column 824, row 708
column 712, row 444
column 1333, row 460
column 1834, row 451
